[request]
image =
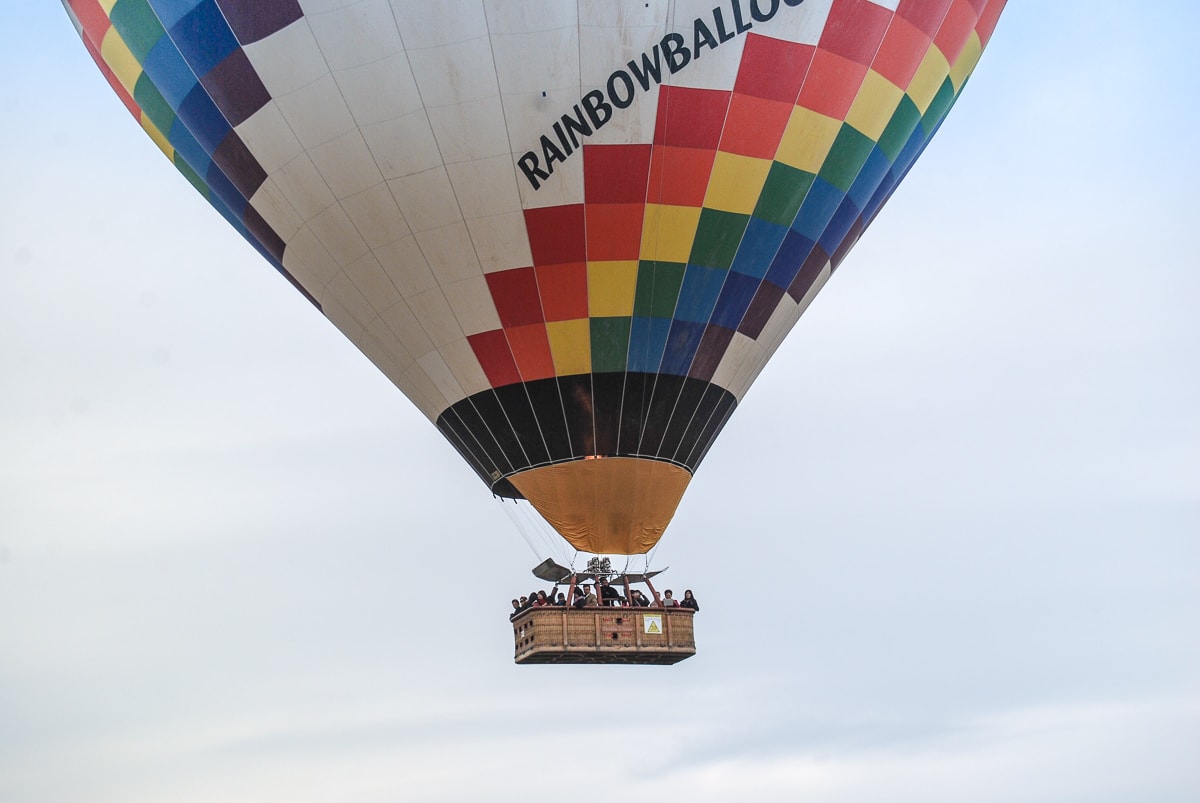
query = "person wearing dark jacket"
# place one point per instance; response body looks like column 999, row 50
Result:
column 689, row 601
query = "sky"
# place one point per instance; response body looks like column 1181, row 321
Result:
column 947, row 549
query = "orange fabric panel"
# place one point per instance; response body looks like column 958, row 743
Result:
column 612, row 505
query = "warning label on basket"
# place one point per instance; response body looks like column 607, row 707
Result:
column 652, row 622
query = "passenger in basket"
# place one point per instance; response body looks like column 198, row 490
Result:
column 541, row 600
column 639, row 599
column 668, row 600
column 516, row 609
column 580, row 598
column 608, row 594
column 689, row 601
column 591, row 600
column 561, row 600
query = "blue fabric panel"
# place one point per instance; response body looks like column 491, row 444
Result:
column 759, row 244
column 734, row 300
column 223, row 188
column 795, row 249
column 647, row 339
column 819, row 205
column 169, row 72
column 869, row 176
column 172, row 11
column 187, row 147
column 681, row 347
column 839, row 227
column 701, row 286
column 204, row 119
column 203, row 37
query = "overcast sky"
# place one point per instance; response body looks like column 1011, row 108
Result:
column 947, row 549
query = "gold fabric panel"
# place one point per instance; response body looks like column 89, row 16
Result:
column 611, row 505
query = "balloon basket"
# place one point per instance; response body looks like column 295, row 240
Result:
column 603, row 635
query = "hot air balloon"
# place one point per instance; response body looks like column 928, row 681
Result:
column 572, row 233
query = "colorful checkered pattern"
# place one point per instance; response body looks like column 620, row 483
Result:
column 369, row 150
column 744, row 196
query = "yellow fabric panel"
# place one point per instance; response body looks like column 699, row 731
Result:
column 928, row 79
column 107, row 5
column 668, row 232
column 611, row 505
column 611, row 288
column 120, row 60
column 967, row 59
column 159, row 138
column 807, row 140
column 873, row 107
column 571, row 346
column 736, row 182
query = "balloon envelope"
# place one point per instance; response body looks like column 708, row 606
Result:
column 572, row 233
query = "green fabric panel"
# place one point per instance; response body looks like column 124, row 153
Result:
column 717, row 238
column 904, row 121
column 939, row 107
column 138, row 26
column 847, row 156
column 782, row 194
column 610, row 344
column 658, row 286
column 153, row 104
column 191, row 175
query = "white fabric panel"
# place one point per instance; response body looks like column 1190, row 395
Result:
column 382, row 355
column 288, row 59
column 485, row 187
column 454, row 21
column 274, row 207
column 803, row 25
column 457, row 73
column 505, row 17
column 346, row 165
column 403, row 261
column 741, row 348
column 470, row 130
column 565, row 186
column 309, row 256
column 335, row 231
column 529, row 115
column 368, row 276
column 603, row 50
column 376, row 216
column 501, row 241
column 785, row 316
column 304, row 187
column 624, row 14
column 434, row 315
column 403, row 146
column 449, row 252
column 890, row 5
column 426, row 199
column 269, row 138
column 417, row 385
column 443, row 378
column 404, row 325
column 472, row 304
column 346, row 306
column 317, row 113
column 537, row 61
column 320, row 6
column 357, row 34
column 460, row 358
column 381, row 90
column 381, row 337
column 715, row 69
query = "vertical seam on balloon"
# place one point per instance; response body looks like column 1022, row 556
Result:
column 441, row 155
column 533, row 266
